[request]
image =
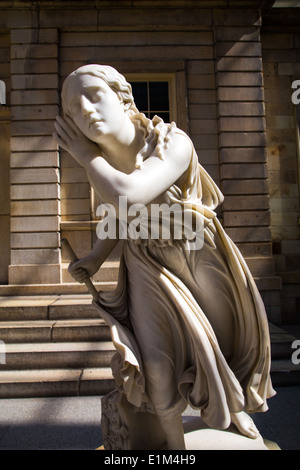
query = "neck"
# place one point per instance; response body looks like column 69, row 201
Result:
column 121, row 150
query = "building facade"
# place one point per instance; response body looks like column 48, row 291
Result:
column 228, row 69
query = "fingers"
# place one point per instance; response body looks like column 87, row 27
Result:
column 60, row 135
column 72, row 124
column 60, row 142
column 68, row 124
column 78, row 273
column 64, row 131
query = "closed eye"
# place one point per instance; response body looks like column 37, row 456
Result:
column 93, row 93
column 97, row 96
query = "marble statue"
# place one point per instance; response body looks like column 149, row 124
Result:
column 188, row 324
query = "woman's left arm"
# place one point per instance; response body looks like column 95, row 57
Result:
column 145, row 184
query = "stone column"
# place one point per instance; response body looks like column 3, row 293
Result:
column 35, row 205
column 242, row 142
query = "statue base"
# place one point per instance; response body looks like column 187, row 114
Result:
column 125, row 427
column 198, row 436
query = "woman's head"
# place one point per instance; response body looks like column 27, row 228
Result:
column 111, row 77
column 156, row 133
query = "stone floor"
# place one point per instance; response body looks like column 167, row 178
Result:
column 74, row 423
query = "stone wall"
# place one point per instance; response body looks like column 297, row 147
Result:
column 281, row 61
column 35, row 205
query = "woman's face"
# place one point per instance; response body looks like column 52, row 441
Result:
column 94, row 107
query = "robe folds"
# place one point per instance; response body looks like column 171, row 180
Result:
column 189, row 325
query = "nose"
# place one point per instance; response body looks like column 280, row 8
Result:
column 86, row 106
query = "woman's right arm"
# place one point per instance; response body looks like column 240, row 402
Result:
column 89, row 265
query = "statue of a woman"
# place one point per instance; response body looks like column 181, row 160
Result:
column 189, row 324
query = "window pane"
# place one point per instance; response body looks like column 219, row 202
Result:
column 152, row 98
column 140, row 95
column 159, row 96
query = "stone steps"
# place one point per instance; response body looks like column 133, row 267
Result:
column 26, row 356
column 55, row 382
column 57, row 345
column 43, row 331
column 54, row 290
column 283, row 371
column 47, row 307
column 280, row 343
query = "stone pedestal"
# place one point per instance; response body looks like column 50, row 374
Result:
column 125, row 427
column 199, row 437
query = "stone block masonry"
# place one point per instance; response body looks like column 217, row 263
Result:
column 35, row 191
column 242, row 138
column 281, row 53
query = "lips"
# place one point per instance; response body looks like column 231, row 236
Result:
column 93, row 121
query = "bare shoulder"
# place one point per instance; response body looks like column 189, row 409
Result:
column 180, row 148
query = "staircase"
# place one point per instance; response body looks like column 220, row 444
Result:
column 56, row 345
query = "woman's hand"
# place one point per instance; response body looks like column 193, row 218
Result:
column 70, row 138
column 83, row 269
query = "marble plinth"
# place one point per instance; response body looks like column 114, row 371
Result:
column 199, row 437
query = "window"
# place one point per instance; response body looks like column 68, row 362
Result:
column 154, row 94
column 152, row 98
